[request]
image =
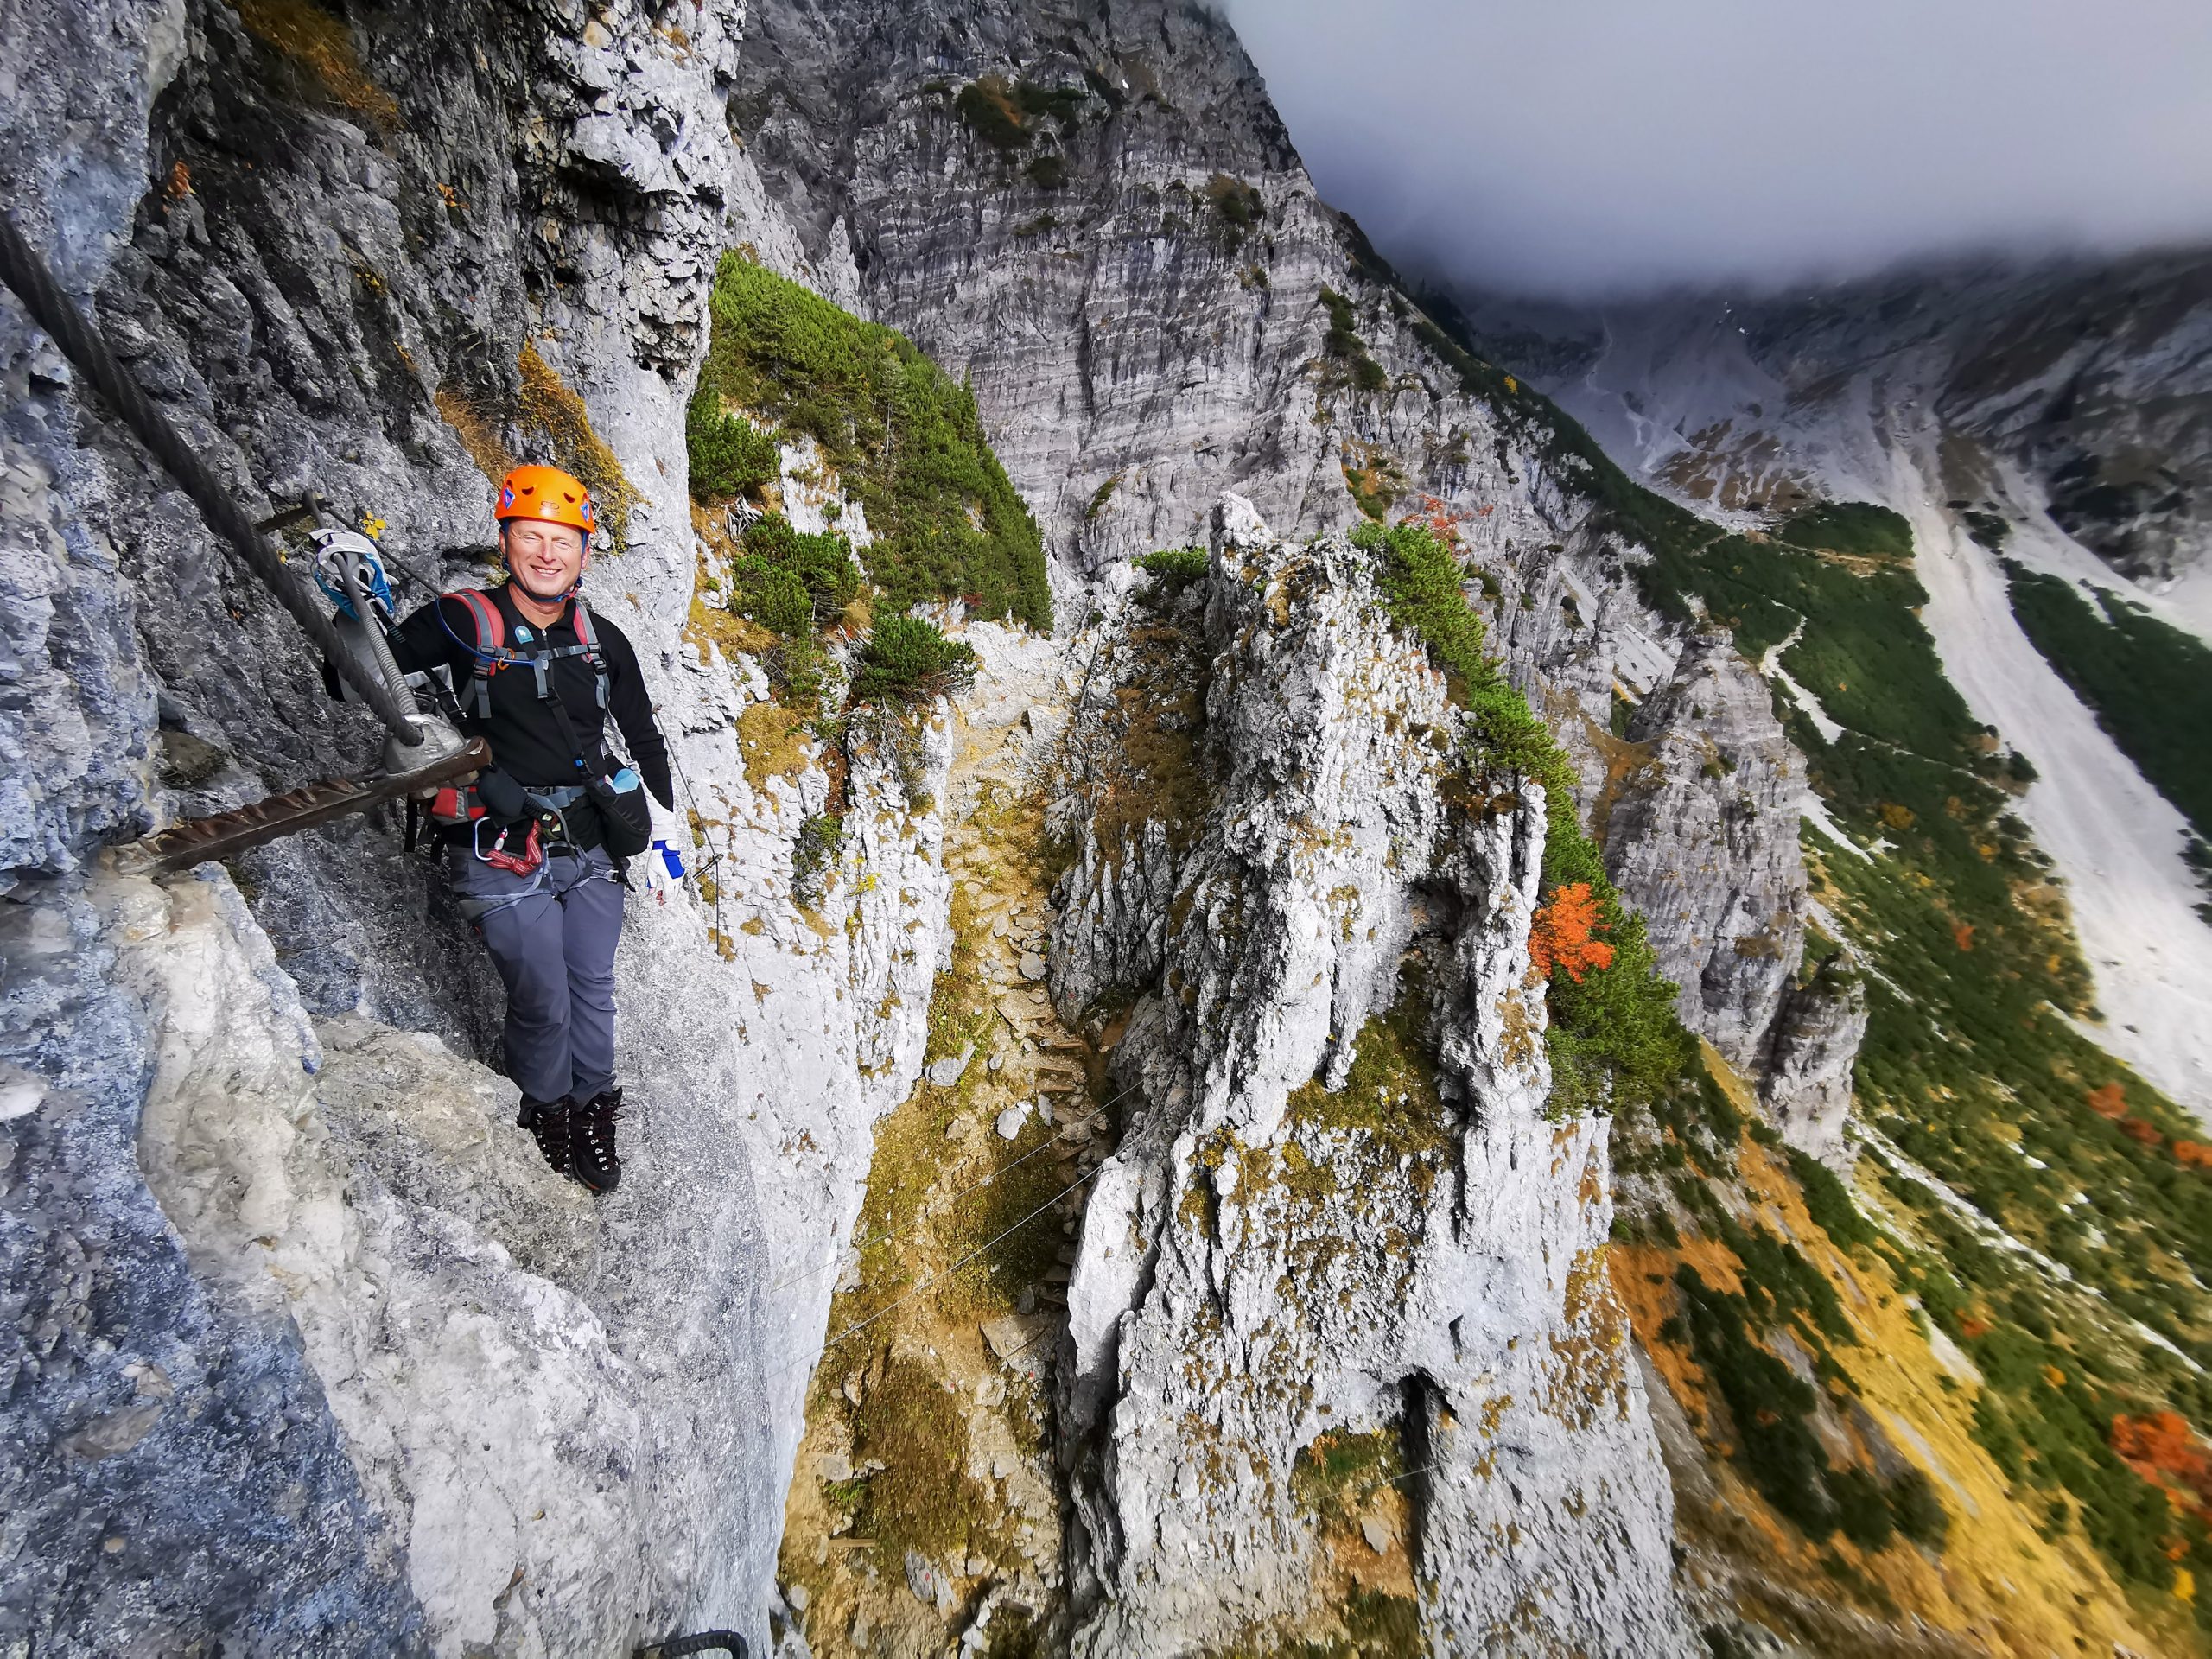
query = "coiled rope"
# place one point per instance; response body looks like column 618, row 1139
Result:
column 23, row 269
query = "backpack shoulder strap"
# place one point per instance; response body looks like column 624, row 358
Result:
column 491, row 626
column 579, row 617
column 491, row 645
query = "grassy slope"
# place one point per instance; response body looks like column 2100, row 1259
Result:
column 2149, row 683
column 905, row 441
column 1967, row 1066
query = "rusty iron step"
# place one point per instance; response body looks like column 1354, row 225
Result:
column 181, row 846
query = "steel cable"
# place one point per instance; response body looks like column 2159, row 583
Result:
column 916, row 1225
column 23, row 269
column 855, row 1328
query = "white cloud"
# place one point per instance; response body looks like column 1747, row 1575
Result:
column 1587, row 147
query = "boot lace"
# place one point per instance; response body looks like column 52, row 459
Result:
column 596, row 1163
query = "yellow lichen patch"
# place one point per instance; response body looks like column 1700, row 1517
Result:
column 477, row 432
column 773, row 739
column 1588, row 1376
column 310, row 36
column 1518, row 1033
column 552, row 411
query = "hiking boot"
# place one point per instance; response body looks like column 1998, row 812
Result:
column 592, row 1157
column 552, row 1123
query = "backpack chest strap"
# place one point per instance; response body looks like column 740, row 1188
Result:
column 492, row 653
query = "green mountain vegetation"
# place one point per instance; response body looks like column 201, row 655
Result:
column 1974, row 1069
column 1975, row 1075
column 1613, row 1038
column 906, row 441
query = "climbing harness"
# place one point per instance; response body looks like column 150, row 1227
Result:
column 625, row 820
column 420, row 754
column 491, row 653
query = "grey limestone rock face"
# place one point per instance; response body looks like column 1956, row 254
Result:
column 1696, row 851
column 1135, row 352
column 171, row 1466
column 1817, row 1037
column 308, row 1353
column 1256, row 1272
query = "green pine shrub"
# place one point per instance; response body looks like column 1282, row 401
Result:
column 1350, row 362
column 815, row 855
column 730, row 456
column 906, row 440
column 909, row 659
column 1614, row 1035
column 1175, row 568
column 793, row 582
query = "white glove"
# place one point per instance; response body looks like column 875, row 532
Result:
column 664, row 869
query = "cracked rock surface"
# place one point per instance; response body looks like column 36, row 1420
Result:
column 1135, row 351
column 1270, row 1265
column 308, row 1352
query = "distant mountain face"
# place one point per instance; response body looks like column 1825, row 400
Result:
column 2093, row 382
column 2045, row 430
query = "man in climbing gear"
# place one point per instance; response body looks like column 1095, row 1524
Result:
column 535, row 851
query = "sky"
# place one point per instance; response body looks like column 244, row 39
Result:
column 1582, row 149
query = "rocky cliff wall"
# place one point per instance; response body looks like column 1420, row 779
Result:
column 308, row 1354
column 1154, row 306
column 276, row 1257
column 1339, row 1323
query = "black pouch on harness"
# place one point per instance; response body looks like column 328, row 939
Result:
column 625, row 818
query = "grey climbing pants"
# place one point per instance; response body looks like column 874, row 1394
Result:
column 552, row 934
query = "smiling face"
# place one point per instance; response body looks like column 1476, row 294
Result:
column 546, row 559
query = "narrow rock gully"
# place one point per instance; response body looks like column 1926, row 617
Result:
column 925, row 1501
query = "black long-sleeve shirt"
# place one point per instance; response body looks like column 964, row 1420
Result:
column 527, row 738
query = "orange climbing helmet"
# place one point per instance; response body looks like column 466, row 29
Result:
column 546, row 492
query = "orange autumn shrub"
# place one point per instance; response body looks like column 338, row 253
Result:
column 2162, row 1448
column 2111, row 1100
column 1560, row 937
